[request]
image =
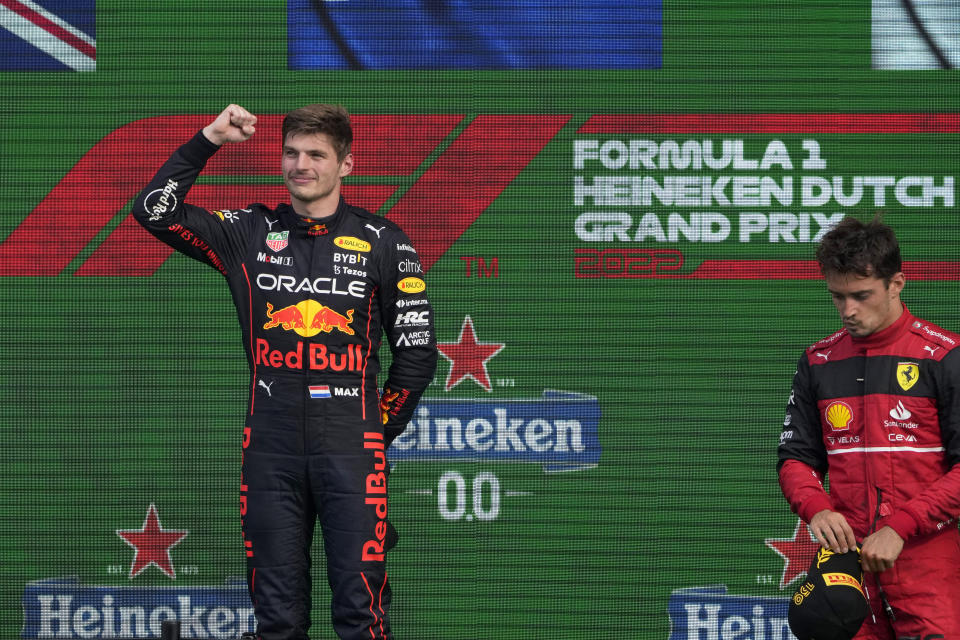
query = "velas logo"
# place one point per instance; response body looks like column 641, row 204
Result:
column 308, row 318
column 796, row 551
column 278, row 240
column 351, row 243
column 907, row 374
column 152, row 544
column 838, row 415
column 468, row 357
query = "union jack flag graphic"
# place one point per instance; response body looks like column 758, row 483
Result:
column 48, row 35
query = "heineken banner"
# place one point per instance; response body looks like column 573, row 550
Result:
column 616, row 209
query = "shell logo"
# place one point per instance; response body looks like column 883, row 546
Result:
column 351, row 243
column 839, row 415
column 411, row 285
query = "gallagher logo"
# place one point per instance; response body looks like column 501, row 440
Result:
column 444, row 184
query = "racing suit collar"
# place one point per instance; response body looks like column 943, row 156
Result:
column 886, row 336
column 313, row 227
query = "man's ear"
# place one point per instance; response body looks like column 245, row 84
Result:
column 347, row 165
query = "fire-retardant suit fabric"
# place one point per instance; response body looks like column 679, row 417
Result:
column 881, row 416
column 313, row 298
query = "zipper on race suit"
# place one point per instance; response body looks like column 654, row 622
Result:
column 887, row 609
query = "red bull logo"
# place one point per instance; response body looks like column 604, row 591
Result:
column 373, row 548
column 317, row 358
column 308, row 318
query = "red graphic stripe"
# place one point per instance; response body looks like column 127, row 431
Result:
column 51, row 27
column 253, row 381
column 131, row 251
column 104, row 181
column 804, row 270
column 468, row 177
column 376, row 618
column 363, row 374
column 720, row 123
column 380, row 597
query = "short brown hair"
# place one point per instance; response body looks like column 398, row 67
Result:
column 330, row 119
column 863, row 248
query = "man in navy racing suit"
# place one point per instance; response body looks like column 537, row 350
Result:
column 315, row 283
column 877, row 406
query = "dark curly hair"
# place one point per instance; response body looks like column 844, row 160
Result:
column 864, row 248
column 330, row 119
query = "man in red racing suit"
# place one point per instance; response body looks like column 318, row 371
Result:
column 314, row 282
column 877, row 407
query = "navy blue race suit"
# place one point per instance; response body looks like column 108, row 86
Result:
column 312, row 297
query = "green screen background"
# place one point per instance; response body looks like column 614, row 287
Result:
column 121, row 392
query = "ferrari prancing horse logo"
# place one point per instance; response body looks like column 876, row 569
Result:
column 907, row 374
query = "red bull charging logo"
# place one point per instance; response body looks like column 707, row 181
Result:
column 308, row 318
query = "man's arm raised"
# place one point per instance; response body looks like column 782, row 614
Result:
column 162, row 206
column 234, row 124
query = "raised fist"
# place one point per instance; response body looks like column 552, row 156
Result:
column 234, row 124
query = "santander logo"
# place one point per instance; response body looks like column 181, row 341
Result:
column 900, row 412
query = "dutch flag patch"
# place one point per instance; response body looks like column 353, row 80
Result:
column 319, row 391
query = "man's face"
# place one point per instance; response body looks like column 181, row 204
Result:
column 866, row 304
column 311, row 170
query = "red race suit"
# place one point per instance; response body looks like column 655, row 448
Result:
column 880, row 417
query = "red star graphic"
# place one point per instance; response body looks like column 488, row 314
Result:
column 468, row 358
column 797, row 552
column 153, row 544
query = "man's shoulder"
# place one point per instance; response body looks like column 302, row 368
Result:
column 377, row 226
column 934, row 334
column 832, row 340
column 250, row 214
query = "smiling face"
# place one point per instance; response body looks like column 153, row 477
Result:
column 866, row 304
column 312, row 173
